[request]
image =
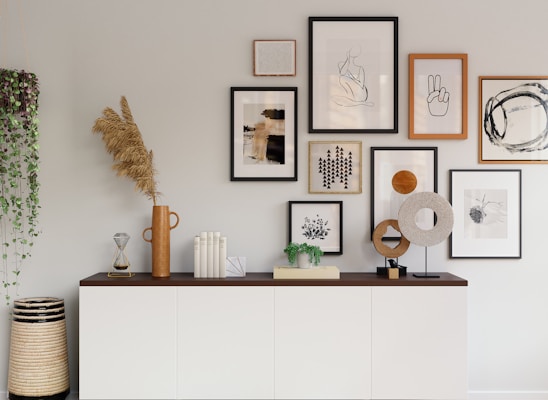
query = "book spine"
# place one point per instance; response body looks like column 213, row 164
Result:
column 203, row 255
column 216, row 237
column 222, row 257
column 197, row 256
column 210, row 255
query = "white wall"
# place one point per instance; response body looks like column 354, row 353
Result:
column 175, row 61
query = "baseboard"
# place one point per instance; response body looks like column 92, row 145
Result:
column 473, row 395
column 509, row 395
column 71, row 396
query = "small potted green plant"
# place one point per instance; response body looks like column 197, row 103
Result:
column 304, row 254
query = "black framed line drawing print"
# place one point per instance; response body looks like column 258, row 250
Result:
column 263, row 134
column 353, row 74
column 513, row 119
column 318, row 223
column 396, row 173
column 487, row 208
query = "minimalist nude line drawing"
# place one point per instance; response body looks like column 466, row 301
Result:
column 499, row 109
column 352, row 81
column 438, row 97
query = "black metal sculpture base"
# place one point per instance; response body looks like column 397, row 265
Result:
column 426, row 274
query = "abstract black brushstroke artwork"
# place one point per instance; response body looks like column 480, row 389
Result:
column 514, row 120
column 499, row 109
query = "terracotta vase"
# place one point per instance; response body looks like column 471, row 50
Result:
column 160, row 232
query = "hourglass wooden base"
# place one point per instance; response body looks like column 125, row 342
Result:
column 117, row 273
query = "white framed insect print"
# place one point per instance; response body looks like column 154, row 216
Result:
column 487, row 209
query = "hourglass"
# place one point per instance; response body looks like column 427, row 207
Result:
column 120, row 263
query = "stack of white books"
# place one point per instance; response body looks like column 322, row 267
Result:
column 209, row 255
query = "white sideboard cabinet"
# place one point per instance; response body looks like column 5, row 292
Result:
column 360, row 337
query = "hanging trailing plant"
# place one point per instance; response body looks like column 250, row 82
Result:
column 19, row 159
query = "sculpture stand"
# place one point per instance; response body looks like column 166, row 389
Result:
column 426, row 274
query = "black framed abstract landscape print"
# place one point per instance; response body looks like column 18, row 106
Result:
column 353, row 74
column 513, row 119
column 264, row 134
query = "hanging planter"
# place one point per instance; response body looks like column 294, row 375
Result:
column 19, row 157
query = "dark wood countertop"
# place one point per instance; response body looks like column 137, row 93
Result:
column 266, row 279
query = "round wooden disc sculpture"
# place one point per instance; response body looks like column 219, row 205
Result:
column 408, row 224
column 382, row 248
column 404, row 181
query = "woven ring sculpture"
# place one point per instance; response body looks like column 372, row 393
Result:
column 408, row 224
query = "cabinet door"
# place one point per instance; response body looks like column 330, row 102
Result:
column 226, row 347
column 127, row 342
column 419, row 343
column 323, row 342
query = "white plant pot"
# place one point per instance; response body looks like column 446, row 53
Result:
column 303, row 261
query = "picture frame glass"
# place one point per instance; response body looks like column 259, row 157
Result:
column 353, row 75
column 335, row 167
column 389, row 165
column 487, row 209
column 513, row 119
column 264, row 134
column 438, row 96
column 317, row 223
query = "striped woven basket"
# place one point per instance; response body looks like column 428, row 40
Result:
column 38, row 363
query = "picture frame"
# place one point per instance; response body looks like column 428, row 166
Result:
column 353, row 74
column 318, row 223
column 396, row 173
column 263, row 134
column 335, row 167
column 487, row 213
column 438, row 96
column 513, row 113
column 274, row 57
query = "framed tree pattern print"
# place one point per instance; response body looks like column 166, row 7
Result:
column 335, row 167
